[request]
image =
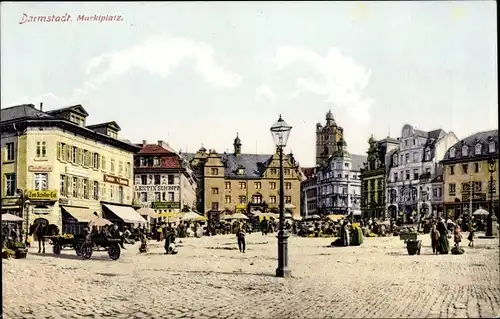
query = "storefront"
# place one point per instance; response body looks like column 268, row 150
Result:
column 122, row 215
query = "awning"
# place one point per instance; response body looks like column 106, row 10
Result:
column 127, row 214
column 82, row 215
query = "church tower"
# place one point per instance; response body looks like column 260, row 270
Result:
column 237, row 145
column 327, row 138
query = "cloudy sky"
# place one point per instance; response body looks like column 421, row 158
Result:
column 198, row 73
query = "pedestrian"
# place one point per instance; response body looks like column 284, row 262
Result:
column 457, row 236
column 240, row 235
column 443, row 243
column 434, row 239
column 169, row 238
column 472, row 231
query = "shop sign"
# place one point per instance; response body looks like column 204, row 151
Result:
column 166, row 205
column 42, row 195
column 115, row 180
column 40, row 169
column 10, row 201
column 76, row 172
column 475, row 196
column 156, row 188
column 41, row 211
column 241, row 206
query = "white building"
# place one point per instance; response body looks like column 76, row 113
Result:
column 339, row 183
column 163, row 179
column 412, row 167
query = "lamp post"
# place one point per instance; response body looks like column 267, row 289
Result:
column 489, row 221
column 25, row 202
column 280, row 132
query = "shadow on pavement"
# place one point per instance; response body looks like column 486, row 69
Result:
column 237, row 273
column 73, row 257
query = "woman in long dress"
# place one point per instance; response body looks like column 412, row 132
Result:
column 344, row 234
column 443, row 243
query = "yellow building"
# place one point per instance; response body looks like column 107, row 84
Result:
column 244, row 182
column 61, row 169
column 466, row 172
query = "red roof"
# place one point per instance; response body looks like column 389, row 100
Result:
column 168, row 159
column 308, row 171
column 154, row 149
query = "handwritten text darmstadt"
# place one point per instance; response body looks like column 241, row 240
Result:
column 68, row 18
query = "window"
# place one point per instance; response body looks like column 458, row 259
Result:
column 453, row 152
column 215, row 206
column 95, row 163
column 465, row 168
column 395, row 177
column 287, row 171
column 491, row 147
column 243, row 199
column 227, row 185
column 10, row 184
column 157, row 196
column 406, row 143
column 415, row 157
column 143, row 162
column 120, row 194
column 478, row 187
column 144, row 197
column 465, row 188
column 156, row 161
column 257, row 199
column 427, row 154
column 272, row 199
column 41, row 149
column 288, row 199
column 228, row 199
column 288, row 185
column 144, row 179
column 103, row 163
column 74, row 186
column 215, row 191
column 74, row 154
column 95, row 190
column 62, row 185
column 112, row 166
column 451, row 189
column 258, row 185
column 85, row 155
column 465, row 150
column 477, row 149
column 171, row 179
column 476, row 167
column 86, row 189
column 452, row 169
column 157, row 179
column 428, row 170
column 407, row 175
column 171, row 196
column 11, row 154
column 243, row 185
column 215, row 171
column 414, row 142
column 272, row 185
column 395, row 160
column 415, row 174
column 127, row 171
column 112, row 192
column 407, row 157
column 41, row 180
column 273, row 171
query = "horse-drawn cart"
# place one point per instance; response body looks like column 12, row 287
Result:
column 61, row 242
column 112, row 245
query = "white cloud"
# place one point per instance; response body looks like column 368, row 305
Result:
column 160, row 55
column 343, row 82
column 264, row 92
column 49, row 100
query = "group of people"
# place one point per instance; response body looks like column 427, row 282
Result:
column 439, row 237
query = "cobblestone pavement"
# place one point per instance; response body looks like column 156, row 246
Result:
column 210, row 278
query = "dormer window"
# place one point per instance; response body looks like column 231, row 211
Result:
column 142, row 162
column 241, row 171
column 491, row 147
column 478, row 148
column 465, row 150
column 156, row 161
column 453, row 152
column 112, row 134
column 77, row 120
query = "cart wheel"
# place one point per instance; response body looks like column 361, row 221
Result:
column 78, row 249
column 114, row 251
column 86, row 251
column 56, row 249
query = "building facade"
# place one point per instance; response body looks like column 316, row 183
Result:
column 327, row 138
column 339, row 183
column 163, row 179
column 309, row 195
column 241, row 182
column 68, row 172
column 437, row 185
column 412, row 167
column 374, row 176
column 467, row 177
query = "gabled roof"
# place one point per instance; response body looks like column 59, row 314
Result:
column 248, row 162
column 154, row 149
column 482, row 138
column 75, row 108
column 111, row 124
column 22, row 111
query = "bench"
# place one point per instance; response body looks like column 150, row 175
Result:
column 413, row 245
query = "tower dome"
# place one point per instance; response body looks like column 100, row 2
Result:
column 329, row 115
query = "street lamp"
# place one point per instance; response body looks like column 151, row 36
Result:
column 280, row 132
column 25, row 202
column 489, row 221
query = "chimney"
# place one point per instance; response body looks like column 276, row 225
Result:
column 160, row 142
column 41, row 106
column 144, row 142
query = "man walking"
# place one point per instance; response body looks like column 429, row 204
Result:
column 240, row 235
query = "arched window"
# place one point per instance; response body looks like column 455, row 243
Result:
column 478, row 149
column 491, row 147
column 452, row 152
column 465, row 150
